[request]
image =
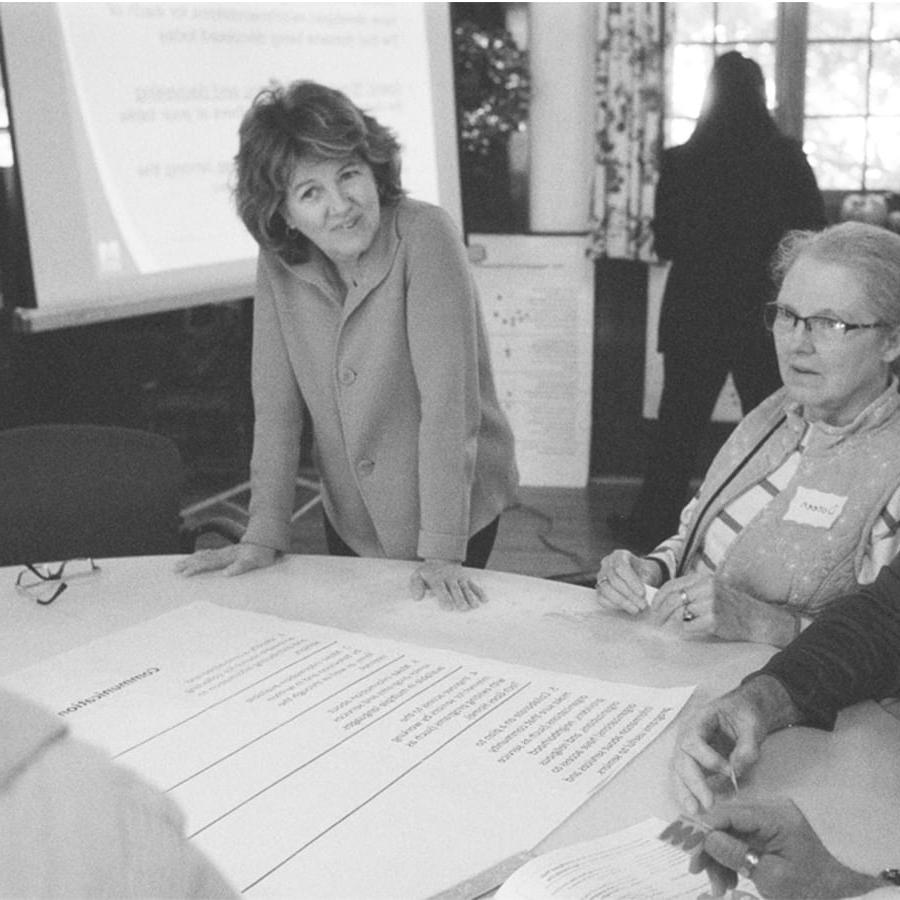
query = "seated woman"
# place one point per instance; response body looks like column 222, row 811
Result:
column 803, row 501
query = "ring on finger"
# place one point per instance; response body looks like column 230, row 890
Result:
column 686, row 614
column 749, row 864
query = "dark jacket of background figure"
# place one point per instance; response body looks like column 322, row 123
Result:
column 723, row 202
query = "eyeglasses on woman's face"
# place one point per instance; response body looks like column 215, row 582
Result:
column 782, row 320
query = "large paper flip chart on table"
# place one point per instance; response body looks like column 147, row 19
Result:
column 315, row 762
column 537, row 293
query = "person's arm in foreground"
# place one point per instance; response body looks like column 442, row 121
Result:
column 786, row 857
column 723, row 738
column 850, row 653
column 75, row 824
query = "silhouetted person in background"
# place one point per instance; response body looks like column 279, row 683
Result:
column 723, row 201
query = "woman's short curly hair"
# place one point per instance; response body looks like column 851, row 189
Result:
column 871, row 252
column 303, row 120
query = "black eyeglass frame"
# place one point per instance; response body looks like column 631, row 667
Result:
column 771, row 312
column 48, row 575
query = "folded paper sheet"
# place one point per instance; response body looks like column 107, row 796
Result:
column 317, row 762
column 622, row 866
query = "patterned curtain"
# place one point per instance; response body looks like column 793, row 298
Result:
column 629, row 86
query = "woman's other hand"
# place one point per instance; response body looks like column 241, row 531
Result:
column 691, row 601
column 705, row 607
column 234, row 559
column 622, row 580
column 448, row 581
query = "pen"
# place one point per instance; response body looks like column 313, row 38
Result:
column 733, row 778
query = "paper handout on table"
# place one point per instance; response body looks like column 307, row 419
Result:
column 625, row 865
column 317, row 762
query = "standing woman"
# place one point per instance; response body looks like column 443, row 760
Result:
column 366, row 315
column 723, row 201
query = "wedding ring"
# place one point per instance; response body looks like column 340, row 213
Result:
column 751, row 861
column 686, row 614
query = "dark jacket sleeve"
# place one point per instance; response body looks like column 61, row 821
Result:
column 665, row 207
column 804, row 206
column 850, row 653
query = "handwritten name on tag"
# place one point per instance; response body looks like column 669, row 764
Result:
column 815, row 508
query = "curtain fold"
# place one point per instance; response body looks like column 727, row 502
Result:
column 630, row 88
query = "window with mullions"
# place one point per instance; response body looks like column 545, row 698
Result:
column 834, row 78
column 704, row 31
column 851, row 123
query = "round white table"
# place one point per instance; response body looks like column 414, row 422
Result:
column 844, row 780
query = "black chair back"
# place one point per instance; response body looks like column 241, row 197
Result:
column 70, row 491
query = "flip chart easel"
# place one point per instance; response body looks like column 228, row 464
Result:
column 537, row 294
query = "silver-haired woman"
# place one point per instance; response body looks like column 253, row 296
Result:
column 803, row 501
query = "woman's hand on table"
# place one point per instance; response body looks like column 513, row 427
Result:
column 622, row 580
column 234, row 559
column 703, row 606
column 448, row 581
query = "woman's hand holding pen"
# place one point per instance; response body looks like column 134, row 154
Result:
column 622, row 579
column 448, row 581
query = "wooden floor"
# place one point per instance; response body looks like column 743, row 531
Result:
column 550, row 531
column 559, row 531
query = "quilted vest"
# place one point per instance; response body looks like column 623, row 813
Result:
column 806, row 547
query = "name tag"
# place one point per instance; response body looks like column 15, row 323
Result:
column 816, row 508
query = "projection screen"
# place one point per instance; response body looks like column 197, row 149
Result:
column 124, row 121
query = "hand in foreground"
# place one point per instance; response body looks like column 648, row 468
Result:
column 621, row 581
column 723, row 738
column 718, row 739
column 234, row 559
column 706, row 607
column 773, row 844
column 448, row 582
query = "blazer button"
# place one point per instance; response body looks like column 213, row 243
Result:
column 348, row 376
column 365, row 467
